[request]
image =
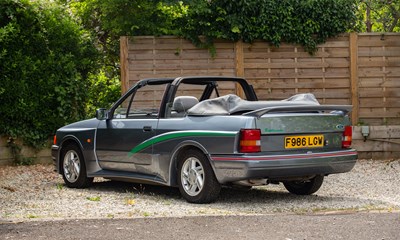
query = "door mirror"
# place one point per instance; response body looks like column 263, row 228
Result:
column 101, row 114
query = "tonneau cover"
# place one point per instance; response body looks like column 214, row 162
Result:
column 230, row 104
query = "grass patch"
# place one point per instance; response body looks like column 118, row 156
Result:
column 60, row 186
column 130, row 201
column 94, row 199
column 146, row 214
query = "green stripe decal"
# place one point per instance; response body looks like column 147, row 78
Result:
column 179, row 134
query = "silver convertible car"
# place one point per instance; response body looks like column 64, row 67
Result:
column 194, row 133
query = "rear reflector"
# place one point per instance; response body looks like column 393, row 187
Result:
column 250, row 140
column 347, row 137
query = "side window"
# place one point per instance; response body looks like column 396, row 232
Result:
column 143, row 103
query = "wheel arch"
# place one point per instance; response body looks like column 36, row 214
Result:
column 176, row 153
column 69, row 139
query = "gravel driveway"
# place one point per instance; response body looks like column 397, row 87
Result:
column 38, row 193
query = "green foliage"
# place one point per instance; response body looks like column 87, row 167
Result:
column 104, row 90
column 307, row 22
column 45, row 60
column 379, row 15
column 94, row 199
column 107, row 20
column 121, row 17
column 60, row 186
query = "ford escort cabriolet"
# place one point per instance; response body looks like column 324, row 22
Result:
column 196, row 134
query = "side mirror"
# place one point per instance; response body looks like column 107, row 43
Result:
column 101, row 114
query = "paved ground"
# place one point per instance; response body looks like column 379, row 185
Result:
column 279, row 226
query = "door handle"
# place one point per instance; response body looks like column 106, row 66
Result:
column 147, row 129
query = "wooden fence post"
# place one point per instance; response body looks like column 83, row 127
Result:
column 239, row 65
column 354, row 77
column 124, row 63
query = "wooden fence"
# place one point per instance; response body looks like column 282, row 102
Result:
column 358, row 69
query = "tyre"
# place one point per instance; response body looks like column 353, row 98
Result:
column 73, row 167
column 196, row 179
column 306, row 187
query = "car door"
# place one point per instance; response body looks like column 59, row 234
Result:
column 121, row 139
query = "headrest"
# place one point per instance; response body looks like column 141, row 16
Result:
column 183, row 103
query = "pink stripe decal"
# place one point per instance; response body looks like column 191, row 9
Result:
column 284, row 157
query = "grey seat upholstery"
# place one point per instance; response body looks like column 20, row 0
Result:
column 183, row 103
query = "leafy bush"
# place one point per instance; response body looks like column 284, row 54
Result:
column 107, row 20
column 379, row 15
column 104, row 90
column 45, row 61
column 306, row 22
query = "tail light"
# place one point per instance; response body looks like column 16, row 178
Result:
column 55, row 140
column 347, row 136
column 250, row 140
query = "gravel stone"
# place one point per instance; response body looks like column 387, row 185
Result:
column 38, row 193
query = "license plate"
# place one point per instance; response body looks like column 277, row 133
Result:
column 304, row 141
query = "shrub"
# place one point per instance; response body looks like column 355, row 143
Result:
column 104, row 90
column 45, row 61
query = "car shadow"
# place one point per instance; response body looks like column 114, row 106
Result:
column 228, row 194
column 136, row 188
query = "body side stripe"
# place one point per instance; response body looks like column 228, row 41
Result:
column 179, row 134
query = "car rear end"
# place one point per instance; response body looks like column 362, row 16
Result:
column 290, row 143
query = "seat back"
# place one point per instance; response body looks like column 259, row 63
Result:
column 183, row 103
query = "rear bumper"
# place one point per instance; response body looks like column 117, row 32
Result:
column 232, row 168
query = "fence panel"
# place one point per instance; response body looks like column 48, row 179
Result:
column 379, row 79
column 358, row 69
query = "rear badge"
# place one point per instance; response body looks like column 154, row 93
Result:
column 271, row 130
column 340, row 127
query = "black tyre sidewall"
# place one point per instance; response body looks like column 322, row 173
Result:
column 306, row 188
column 211, row 187
column 83, row 181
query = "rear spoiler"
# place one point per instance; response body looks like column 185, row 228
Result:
column 338, row 109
